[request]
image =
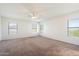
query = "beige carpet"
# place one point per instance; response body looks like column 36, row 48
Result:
column 37, row 46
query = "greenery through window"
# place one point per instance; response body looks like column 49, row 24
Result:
column 73, row 27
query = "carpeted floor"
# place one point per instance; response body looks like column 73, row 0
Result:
column 37, row 46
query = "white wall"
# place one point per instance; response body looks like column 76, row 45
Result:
column 56, row 28
column 0, row 29
column 24, row 28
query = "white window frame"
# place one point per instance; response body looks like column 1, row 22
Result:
column 9, row 28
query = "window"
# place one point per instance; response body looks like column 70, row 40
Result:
column 73, row 27
column 35, row 27
column 12, row 28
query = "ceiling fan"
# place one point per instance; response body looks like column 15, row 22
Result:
column 35, row 15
